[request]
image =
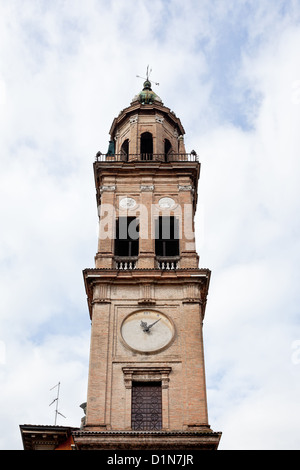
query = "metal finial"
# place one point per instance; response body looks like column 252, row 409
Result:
column 148, row 73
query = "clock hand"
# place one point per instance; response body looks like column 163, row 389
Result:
column 150, row 326
column 144, row 326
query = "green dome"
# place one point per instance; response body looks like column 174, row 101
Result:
column 147, row 95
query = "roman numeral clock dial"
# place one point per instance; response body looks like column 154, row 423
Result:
column 147, row 331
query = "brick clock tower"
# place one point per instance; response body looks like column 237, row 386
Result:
column 146, row 294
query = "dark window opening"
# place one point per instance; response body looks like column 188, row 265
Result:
column 168, row 148
column 146, row 146
column 146, row 406
column 127, row 236
column 125, row 150
column 167, row 236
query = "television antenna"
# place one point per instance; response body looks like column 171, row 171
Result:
column 148, row 73
column 56, row 401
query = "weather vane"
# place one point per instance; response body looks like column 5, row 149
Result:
column 56, row 400
column 148, row 75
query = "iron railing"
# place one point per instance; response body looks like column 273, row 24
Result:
column 147, row 157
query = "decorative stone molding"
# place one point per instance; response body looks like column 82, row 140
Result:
column 146, row 374
column 111, row 187
column 127, row 203
column 101, row 293
column 159, row 119
column 192, row 294
column 146, row 294
column 147, row 187
column 187, row 187
column 133, row 119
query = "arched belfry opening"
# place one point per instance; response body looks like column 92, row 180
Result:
column 146, row 149
column 167, row 148
column 125, row 150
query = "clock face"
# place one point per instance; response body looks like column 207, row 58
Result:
column 147, row 331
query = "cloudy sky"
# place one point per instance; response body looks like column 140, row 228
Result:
column 231, row 71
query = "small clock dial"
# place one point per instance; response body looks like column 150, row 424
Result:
column 147, row 331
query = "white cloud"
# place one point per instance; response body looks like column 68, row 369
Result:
column 231, row 73
column 251, row 200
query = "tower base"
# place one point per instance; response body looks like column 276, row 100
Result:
column 147, row 440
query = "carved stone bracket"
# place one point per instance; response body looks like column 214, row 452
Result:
column 134, row 119
column 147, row 187
column 187, row 187
column 107, row 188
column 159, row 119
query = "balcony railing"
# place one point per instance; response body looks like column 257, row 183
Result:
column 125, row 263
column 167, row 262
column 147, row 157
column 164, row 263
